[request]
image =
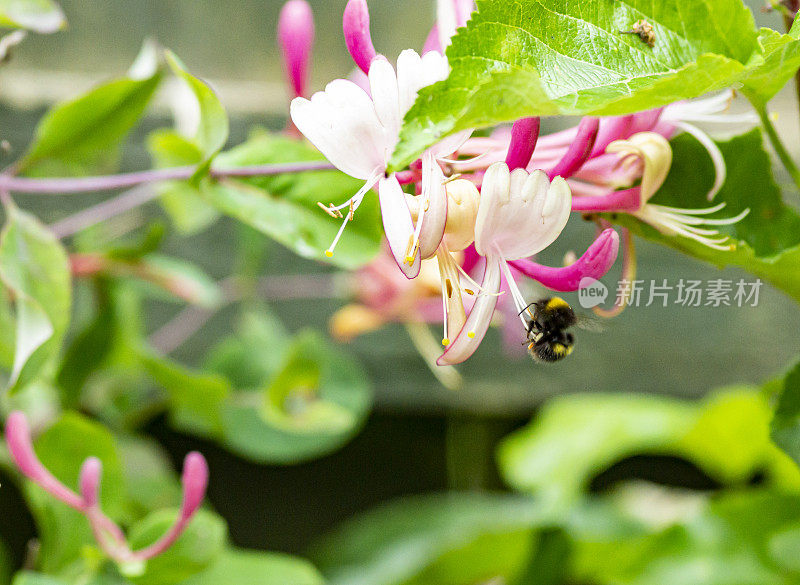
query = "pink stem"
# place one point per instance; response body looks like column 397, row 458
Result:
column 579, row 151
column 594, row 264
column 524, row 135
column 125, row 180
column 18, row 439
column 355, row 25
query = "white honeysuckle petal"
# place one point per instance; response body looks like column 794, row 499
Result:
column 479, row 319
column 398, row 225
column 720, row 169
column 415, row 72
column 383, row 86
column 520, row 214
column 494, row 192
column 341, row 122
column 452, row 300
column 434, row 221
column 446, row 21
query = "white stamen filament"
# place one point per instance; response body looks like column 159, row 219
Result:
column 720, row 169
column 352, row 204
column 516, row 294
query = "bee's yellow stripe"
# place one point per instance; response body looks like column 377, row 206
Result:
column 557, row 303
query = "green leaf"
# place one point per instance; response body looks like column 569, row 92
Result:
column 62, row 449
column 436, row 539
column 781, row 60
column 201, row 544
column 150, row 479
column 81, row 136
column 547, row 57
column 41, row 16
column 257, row 568
column 182, row 201
column 182, row 279
column 35, row 270
column 284, row 207
column 31, row 578
column 253, row 355
column 727, row 436
column 88, row 350
column 785, row 427
column 212, row 130
column 195, row 398
column 292, row 400
column 289, row 436
column 768, row 238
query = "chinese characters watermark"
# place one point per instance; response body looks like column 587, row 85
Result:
column 683, row 292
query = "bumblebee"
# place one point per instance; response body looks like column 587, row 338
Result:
column 548, row 339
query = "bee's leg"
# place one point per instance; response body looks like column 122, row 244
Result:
column 526, row 308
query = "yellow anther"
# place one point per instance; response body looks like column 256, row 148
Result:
column 409, row 259
column 469, row 291
column 445, row 342
column 328, row 253
column 471, row 335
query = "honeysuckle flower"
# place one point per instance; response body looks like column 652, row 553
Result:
column 108, row 535
column 358, row 133
column 652, row 152
column 519, row 215
column 296, row 40
column 355, row 26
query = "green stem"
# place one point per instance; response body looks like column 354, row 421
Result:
column 775, row 140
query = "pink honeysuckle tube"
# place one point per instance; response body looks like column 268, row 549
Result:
column 594, row 264
column 524, row 135
column 296, row 40
column 579, row 151
column 355, row 25
column 611, row 129
column 194, row 480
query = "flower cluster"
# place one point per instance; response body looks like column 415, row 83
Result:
column 107, row 533
column 492, row 201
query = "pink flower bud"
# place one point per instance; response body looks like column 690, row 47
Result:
column 296, row 39
column 594, row 264
column 524, row 135
column 195, row 481
column 89, row 481
column 355, row 25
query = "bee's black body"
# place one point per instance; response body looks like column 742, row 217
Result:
column 547, row 335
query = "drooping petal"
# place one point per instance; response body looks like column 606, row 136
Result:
column 435, row 217
column 594, row 264
column 520, row 214
column 656, row 153
column 341, row 122
column 473, row 331
column 398, row 226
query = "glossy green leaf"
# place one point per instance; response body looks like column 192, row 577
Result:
column 35, row 271
column 81, row 136
column 781, row 61
column 195, row 398
column 212, row 129
column 545, row 57
column 290, row 435
column 257, row 568
column 768, row 238
column 182, row 200
column 62, row 449
column 786, row 423
column 727, row 436
column 41, row 16
column 201, row 545
column 284, row 207
column 453, row 539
